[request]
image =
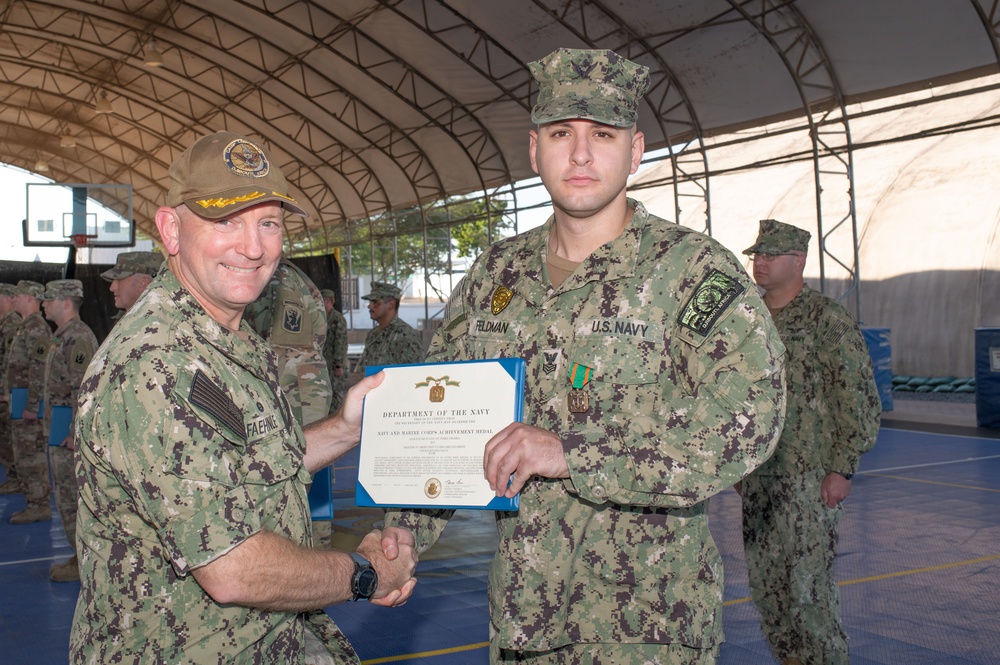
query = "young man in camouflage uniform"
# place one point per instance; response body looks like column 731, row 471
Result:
column 654, row 381
column 194, row 533
column 792, row 504
column 73, row 345
column 10, row 320
column 289, row 315
column 392, row 341
column 26, row 369
column 335, row 348
column 131, row 275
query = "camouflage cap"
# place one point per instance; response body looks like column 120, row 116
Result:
column 328, row 293
column 134, row 263
column 224, row 173
column 28, row 288
column 63, row 288
column 598, row 85
column 779, row 238
column 7, row 289
column 382, row 290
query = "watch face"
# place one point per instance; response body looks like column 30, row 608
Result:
column 366, row 581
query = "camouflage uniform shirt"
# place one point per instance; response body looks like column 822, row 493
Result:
column 9, row 324
column 686, row 397
column 186, row 448
column 335, row 355
column 395, row 344
column 290, row 316
column 833, row 403
column 73, row 345
column 26, row 358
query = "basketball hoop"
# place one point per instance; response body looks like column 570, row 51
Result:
column 81, row 240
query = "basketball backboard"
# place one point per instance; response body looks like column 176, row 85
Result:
column 56, row 212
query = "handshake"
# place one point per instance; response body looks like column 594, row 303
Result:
column 393, row 558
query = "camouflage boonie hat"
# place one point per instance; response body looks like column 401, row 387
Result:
column 328, row 293
column 224, row 173
column 28, row 288
column 134, row 263
column 779, row 238
column 7, row 289
column 382, row 290
column 579, row 84
column 63, row 288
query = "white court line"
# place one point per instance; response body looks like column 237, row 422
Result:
column 919, row 466
column 44, row 558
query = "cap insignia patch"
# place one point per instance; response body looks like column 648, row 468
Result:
column 245, row 159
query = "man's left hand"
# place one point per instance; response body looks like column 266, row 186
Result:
column 518, row 452
column 835, row 489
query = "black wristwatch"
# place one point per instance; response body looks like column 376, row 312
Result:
column 847, row 476
column 364, row 582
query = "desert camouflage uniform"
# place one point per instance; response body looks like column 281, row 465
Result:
column 395, row 344
column 290, row 316
column 73, row 345
column 187, row 447
column 686, row 397
column 9, row 324
column 790, row 535
column 26, row 369
column 335, row 355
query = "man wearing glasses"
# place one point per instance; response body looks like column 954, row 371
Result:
column 392, row 341
column 792, row 503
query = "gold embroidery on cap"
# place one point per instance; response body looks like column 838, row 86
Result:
column 224, row 203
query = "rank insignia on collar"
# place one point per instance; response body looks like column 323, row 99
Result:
column 501, row 298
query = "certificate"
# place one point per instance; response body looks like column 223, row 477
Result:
column 59, row 426
column 425, row 428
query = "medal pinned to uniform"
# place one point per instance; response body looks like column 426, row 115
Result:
column 579, row 399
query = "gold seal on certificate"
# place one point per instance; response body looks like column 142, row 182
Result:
column 425, row 428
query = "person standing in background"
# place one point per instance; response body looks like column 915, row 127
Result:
column 132, row 273
column 26, row 371
column 73, row 345
column 10, row 320
column 792, row 504
column 392, row 341
column 335, row 349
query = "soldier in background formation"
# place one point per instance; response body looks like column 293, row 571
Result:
column 290, row 316
column 131, row 275
column 392, row 341
column 26, row 372
column 335, row 349
column 792, row 503
column 10, row 320
column 73, row 345
column 653, row 382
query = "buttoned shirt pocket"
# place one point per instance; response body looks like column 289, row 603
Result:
column 624, row 375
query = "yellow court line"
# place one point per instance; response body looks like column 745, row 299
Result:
column 933, row 482
column 426, row 654
column 901, row 573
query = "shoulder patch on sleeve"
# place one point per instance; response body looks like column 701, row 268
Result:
column 712, row 297
column 81, row 354
column 836, row 332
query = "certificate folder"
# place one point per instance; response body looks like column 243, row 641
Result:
column 62, row 418
column 425, row 428
column 19, row 402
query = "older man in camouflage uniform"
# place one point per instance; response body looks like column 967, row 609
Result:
column 289, row 315
column 392, row 341
column 654, row 381
column 73, row 345
column 792, row 504
column 10, row 320
column 193, row 532
column 132, row 273
column 335, row 348
column 26, row 371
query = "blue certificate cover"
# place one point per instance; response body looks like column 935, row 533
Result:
column 19, row 402
column 424, row 430
column 59, row 428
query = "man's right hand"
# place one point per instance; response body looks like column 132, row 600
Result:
column 395, row 571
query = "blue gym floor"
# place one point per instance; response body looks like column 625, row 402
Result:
column 919, row 568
